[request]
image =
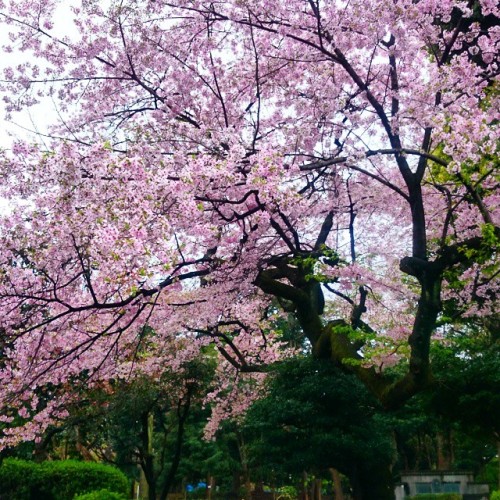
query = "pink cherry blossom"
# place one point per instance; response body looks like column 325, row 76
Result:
column 215, row 162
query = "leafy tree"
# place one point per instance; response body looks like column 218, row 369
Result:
column 144, row 426
column 316, row 417
column 218, row 462
column 143, row 423
column 469, row 376
column 454, row 423
column 136, row 423
column 216, row 159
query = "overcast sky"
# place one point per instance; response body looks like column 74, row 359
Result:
column 26, row 124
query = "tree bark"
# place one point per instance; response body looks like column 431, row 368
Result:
column 305, row 491
column 235, row 486
column 147, row 461
column 317, row 494
column 210, row 486
column 338, row 494
column 444, row 450
column 183, row 408
column 244, row 465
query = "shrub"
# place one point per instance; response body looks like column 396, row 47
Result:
column 61, row 480
column 17, row 479
column 489, row 474
column 437, row 496
column 495, row 495
column 67, row 478
column 100, row 495
column 287, row 493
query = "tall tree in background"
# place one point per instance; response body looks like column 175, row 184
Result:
column 326, row 420
column 339, row 158
column 143, row 424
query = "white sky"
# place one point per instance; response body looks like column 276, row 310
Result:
column 26, row 124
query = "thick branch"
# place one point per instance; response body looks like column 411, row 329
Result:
column 326, row 227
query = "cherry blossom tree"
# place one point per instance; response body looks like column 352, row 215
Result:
column 217, row 161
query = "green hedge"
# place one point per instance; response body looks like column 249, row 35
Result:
column 61, row 480
column 100, row 495
column 17, row 478
column 437, row 496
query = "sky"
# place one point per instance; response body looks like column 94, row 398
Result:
column 26, row 124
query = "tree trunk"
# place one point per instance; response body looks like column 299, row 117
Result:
column 244, row 465
column 235, row 486
column 183, row 408
column 147, row 460
column 444, row 450
column 372, row 483
column 338, row 494
column 143, row 485
column 210, row 486
column 305, row 492
column 316, row 489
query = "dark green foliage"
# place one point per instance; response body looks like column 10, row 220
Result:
column 316, row 416
column 219, row 458
column 58, row 480
column 146, row 423
column 455, row 423
column 100, row 495
column 468, row 383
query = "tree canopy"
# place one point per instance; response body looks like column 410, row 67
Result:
column 326, row 419
column 216, row 159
